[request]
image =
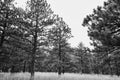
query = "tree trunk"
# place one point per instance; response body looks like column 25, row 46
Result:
column 24, row 66
column 59, row 67
column 32, row 64
column 33, row 54
column 12, row 69
column 1, row 44
column 59, row 55
column 63, row 70
column 63, row 65
column 33, row 57
column 2, row 39
column 34, row 49
column 59, row 70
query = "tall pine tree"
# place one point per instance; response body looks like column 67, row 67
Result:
column 58, row 37
column 38, row 16
column 103, row 29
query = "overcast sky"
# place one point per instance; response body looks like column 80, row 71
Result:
column 73, row 12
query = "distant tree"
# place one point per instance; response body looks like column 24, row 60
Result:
column 103, row 30
column 58, row 36
column 83, row 58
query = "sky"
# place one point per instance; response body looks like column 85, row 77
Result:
column 73, row 12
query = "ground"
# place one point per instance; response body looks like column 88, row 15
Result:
column 55, row 76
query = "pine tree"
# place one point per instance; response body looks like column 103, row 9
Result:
column 58, row 36
column 103, row 29
column 38, row 16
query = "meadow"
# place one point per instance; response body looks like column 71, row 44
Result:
column 55, row 76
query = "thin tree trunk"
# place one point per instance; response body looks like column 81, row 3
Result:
column 1, row 42
column 2, row 39
column 24, row 66
column 59, row 67
column 60, row 57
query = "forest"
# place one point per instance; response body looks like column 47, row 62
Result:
column 36, row 40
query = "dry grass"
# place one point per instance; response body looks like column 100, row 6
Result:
column 55, row 76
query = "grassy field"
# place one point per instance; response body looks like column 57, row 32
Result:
column 55, row 76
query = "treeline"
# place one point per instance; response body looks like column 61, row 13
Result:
column 36, row 39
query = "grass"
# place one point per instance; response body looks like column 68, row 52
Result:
column 55, row 76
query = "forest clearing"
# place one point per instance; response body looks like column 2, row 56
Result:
column 34, row 41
